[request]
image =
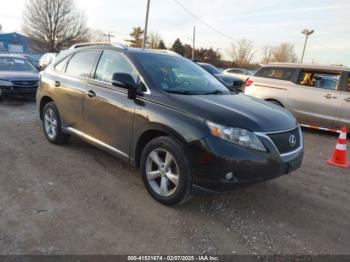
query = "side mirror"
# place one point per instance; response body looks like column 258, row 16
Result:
column 125, row 81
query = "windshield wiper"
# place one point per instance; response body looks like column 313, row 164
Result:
column 215, row 92
column 181, row 92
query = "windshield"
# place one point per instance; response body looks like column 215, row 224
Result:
column 16, row 64
column 178, row 75
column 211, row 69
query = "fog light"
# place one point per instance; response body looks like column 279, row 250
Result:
column 229, row 176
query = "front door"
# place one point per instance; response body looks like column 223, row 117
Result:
column 108, row 113
column 344, row 109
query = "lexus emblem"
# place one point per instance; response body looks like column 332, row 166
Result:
column 292, row 140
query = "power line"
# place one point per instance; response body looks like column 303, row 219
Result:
column 203, row 22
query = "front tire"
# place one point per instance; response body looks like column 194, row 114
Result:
column 52, row 125
column 166, row 172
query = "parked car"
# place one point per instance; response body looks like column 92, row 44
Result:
column 316, row 95
column 233, row 83
column 17, row 76
column 167, row 116
column 241, row 73
column 46, row 59
column 32, row 59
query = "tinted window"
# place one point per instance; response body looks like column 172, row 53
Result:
column 61, row 66
column 319, row 79
column 276, row 73
column 349, row 84
column 330, row 84
column 111, row 63
column 81, row 63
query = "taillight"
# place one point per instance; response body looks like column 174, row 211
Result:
column 249, row 82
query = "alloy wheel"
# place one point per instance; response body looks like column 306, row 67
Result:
column 50, row 123
column 162, row 172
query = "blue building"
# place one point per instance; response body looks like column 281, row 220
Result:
column 14, row 43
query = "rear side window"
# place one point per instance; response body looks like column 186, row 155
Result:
column 81, row 63
column 276, row 73
column 61, row 66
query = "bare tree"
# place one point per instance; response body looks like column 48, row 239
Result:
column 0, row 27
column 267, row 54
column 54, row 24
column 284, row 53
column 153, row 40
column 242, row 52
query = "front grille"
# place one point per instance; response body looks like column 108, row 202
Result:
column 283, row 143
column 24, row 83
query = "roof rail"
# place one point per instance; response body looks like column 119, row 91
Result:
column 80, row 45
column 167, row 52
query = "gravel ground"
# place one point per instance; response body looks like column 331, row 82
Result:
column 77, row 199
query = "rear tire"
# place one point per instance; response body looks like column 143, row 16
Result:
column 166, row 172
column 52, row 125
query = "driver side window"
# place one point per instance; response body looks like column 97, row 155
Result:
column 112, row 62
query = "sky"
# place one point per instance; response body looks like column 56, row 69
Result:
column 220, row 22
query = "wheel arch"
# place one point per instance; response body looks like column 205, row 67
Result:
column 156, row 131
column 43, row 101
column 273, row 100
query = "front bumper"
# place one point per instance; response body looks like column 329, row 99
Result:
column 18, row 91
column 213, row 158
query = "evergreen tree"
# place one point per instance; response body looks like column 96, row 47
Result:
column 136, row 37
column 178, row 47
column 161, row 45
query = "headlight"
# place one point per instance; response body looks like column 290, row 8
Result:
column 237, row 136
column 5, row 83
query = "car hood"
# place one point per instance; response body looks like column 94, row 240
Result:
column 237, row 110
column 14, row 76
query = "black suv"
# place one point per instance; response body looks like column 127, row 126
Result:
column 166, row 115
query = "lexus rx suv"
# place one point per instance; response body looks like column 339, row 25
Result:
column 170, row 118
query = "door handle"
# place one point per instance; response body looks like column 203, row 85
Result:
column 329, row 96
column 347, row 99
column 57, row 83
column 91, row 93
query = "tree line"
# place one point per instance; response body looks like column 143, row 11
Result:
column 54, row 25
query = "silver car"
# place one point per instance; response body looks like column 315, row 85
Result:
column 241, row 73
column 318, row 96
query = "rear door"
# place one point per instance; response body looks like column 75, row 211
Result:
column 313, row 102
column 70, row 84
column 344, row 109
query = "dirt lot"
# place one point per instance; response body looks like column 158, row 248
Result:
column 77, row 199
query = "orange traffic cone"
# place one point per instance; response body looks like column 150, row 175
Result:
column 339, row 154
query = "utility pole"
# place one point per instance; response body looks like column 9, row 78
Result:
column 109, row 35
column 306, row 32
column 193, row 42
column 146, row 25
